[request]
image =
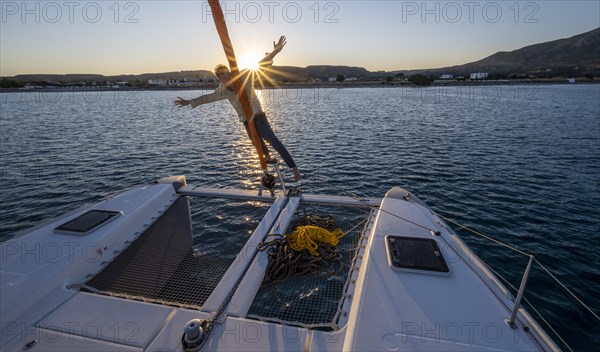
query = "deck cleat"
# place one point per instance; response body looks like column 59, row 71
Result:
column 194, row 335
column 268, row 181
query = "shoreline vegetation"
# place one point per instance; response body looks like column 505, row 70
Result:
column 305, row 85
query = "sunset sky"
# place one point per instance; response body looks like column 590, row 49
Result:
column 109, row 37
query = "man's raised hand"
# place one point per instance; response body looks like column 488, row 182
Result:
column 279, row 45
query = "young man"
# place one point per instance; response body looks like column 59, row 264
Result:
column 226, row 90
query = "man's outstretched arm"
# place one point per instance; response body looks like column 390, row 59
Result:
column 203, row 99
column 267, row 61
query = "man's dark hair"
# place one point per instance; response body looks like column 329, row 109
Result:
column 220, row 67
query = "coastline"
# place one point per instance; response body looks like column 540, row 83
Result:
column 308, row 85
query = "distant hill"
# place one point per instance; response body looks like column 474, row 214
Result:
column 577, row 55
column 55, row 77
column 323, row 72
column 176, row 75
column 277, row 73
column 287, row 73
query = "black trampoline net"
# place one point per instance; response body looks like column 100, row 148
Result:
column 313, row 301
column 180, row 259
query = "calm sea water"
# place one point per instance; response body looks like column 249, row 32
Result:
column 520, row 163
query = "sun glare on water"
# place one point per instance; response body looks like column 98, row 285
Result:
column 249, row 60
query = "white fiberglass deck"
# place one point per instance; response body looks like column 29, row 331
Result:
column 44, row 303
column 414, row 311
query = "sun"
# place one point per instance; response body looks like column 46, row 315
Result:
column 249, row 60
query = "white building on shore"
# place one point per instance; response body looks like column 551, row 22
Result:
column 479, row 75
column 157, row 82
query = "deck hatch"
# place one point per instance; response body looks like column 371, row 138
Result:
column 87, row 222
column 415, row 253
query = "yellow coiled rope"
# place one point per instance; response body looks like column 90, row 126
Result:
column 309, row 237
